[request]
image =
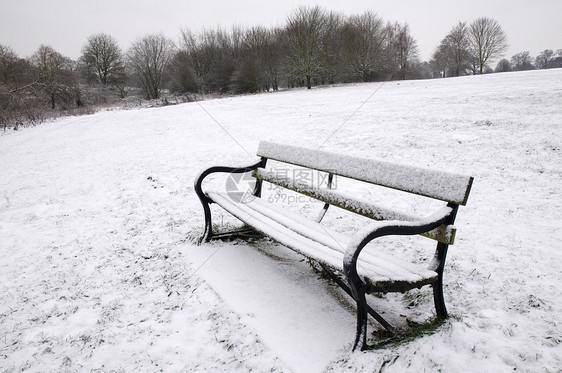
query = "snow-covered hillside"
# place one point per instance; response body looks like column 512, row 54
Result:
column 98, row 217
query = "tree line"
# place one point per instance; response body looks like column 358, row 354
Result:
column 467, row 49
column 314, row 47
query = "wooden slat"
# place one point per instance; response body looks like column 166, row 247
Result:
column 440, row 185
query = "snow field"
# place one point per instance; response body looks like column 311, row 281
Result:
column 98, row 271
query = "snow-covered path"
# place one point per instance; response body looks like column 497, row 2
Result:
column 98, row 271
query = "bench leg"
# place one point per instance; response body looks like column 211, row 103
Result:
column 361, row 334
column 368, row 308
column 363, row 310
column 208, row 232
column 438, row 298
column 357, row 290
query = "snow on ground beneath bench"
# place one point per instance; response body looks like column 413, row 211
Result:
column 98, row 270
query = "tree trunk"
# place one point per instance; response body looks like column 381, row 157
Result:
column 308, row 85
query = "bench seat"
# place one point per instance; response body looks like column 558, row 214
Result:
column 326, row 246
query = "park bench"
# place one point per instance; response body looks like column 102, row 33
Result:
column 338, row 254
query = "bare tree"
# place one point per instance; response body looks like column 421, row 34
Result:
column 9, row 85
column 488, row 41
column 256, row 41
column 503, row 66
column 181, row 74
column 441, row 58
column 403, row 48
column 54, row 75
column 543, row 59
column 522, row 61
column 7, row 61
column 305, row 30
column 263, row 45
column 213, row 56
column 28, row 86
column 202, row 52
column 102, row 60
column 272, row 57
column 332, row 47
column 149, row 57
column 459, row 47
column 230, row 50
column 452, row 56
column 556, row 60
column 364, row 44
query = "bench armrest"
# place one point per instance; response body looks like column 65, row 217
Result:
column 222, row 169
column 387, row 228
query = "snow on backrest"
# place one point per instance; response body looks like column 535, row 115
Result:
column 440, row 185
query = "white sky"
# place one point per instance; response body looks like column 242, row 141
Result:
column 66, row 24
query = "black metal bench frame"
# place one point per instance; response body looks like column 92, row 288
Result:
column 438, row 226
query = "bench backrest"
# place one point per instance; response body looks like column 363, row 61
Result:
column 445, row 186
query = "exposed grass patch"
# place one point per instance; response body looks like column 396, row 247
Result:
column 416, row 330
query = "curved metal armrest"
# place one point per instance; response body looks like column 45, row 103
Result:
column 391, row 227
column 224, row 169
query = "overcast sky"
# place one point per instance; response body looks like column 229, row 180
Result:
column 66, row 24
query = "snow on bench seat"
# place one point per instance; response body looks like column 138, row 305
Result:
column 315, row 241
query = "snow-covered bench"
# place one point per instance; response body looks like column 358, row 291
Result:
column 337, row 253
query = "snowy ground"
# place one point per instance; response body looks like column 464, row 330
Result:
column 98, row 270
